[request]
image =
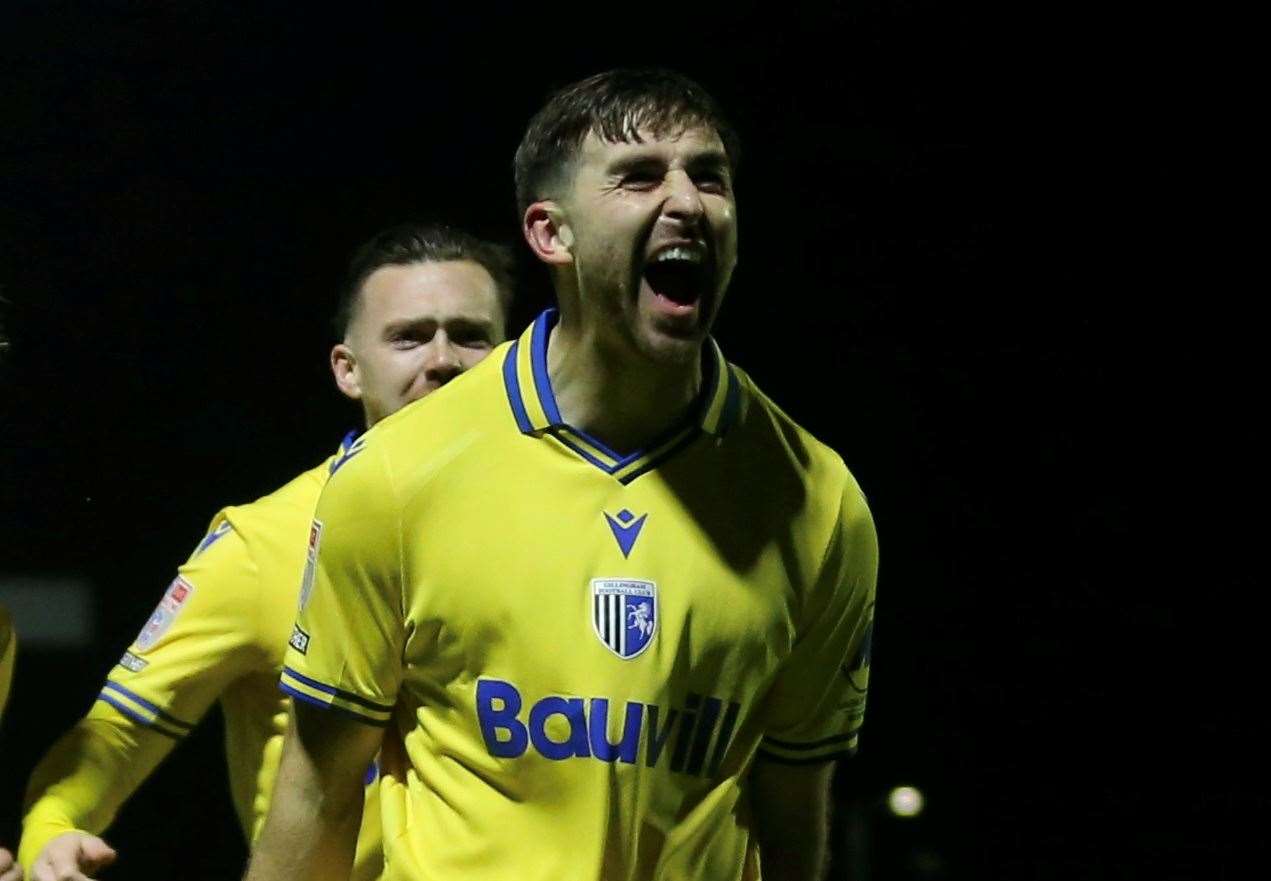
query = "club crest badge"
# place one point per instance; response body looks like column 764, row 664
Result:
column 624, row 614
column 311, row 563
column 174, row 599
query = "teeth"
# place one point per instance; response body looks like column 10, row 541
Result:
column 692, row 255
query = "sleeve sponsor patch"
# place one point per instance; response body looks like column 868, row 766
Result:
column 132, row 663
column 311, row 563
column 174, row 599
column 299, row 639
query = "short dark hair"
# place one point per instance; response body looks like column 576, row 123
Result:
column 615, row 105
column 415, row 242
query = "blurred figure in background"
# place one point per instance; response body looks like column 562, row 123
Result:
column 421, row 304
column 8, row 652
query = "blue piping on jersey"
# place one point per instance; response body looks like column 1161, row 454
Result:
column 564, row 439
column 137, row 717
column 335, row 692
column 513, row 387
column 717, row 372
column 142, row 702
column 331, row 708
column 344, row 458
column 816, row 744
column 655, row 462
column 214, row 536
column 538, row 360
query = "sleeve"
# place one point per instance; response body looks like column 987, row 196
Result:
column 197, row 641
column 81, row 782
column 201, row 637
column 345, row 651
column 816, row 705
column 8, row 654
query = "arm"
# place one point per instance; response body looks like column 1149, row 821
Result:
column 78, row 787
column 9, row 870
column 197, row 642
column 342, row 670
column 311, row 831
column 791, row 809
column 817, row 703
column 8, row 652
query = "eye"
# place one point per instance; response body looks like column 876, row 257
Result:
column 409, row 339
column 471, row 340
column 710, row 182
column 640, row 180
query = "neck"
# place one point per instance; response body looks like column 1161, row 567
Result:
column 618, row 397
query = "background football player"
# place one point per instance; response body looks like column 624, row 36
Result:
column 421, row 305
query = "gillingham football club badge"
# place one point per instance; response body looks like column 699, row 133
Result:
column 624, row 614
column 164, row 614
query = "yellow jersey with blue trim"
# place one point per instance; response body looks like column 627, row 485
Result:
column 579, row 654
column 8, row 654
column 219, row 633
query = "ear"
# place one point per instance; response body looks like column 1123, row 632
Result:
column 548, row 233
column 344, row 367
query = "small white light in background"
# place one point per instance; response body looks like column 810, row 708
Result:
column 905, row 801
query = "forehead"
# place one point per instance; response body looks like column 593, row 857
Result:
column 440, row 290
column 674, row 147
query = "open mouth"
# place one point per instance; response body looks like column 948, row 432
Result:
column 681, row 276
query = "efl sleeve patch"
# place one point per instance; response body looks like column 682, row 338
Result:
column 174, row 600
column 311, row 564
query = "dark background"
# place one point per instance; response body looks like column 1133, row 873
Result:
column 927, row 198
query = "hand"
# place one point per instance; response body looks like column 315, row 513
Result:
column 9, row 870
column 72, row 856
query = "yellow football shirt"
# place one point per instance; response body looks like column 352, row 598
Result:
column 8, row 652
column 578, row 654
column 218, row 633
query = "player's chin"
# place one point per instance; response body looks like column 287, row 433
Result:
column 671, row 344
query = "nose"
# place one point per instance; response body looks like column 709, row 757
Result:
column 442, row 362
column 683, row 201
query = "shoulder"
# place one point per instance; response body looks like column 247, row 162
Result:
column 242, row 539
column 767, row 432
column 403, row 450
column 295, row 497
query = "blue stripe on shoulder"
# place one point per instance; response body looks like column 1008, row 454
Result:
column 345, row 457
column 213, row 537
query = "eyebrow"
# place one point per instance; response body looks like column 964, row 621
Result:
column 451, row 323
column 708, row 159
column 715, row 159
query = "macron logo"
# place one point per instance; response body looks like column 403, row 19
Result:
column 624, row 530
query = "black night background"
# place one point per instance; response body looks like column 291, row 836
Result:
column 921, row 199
